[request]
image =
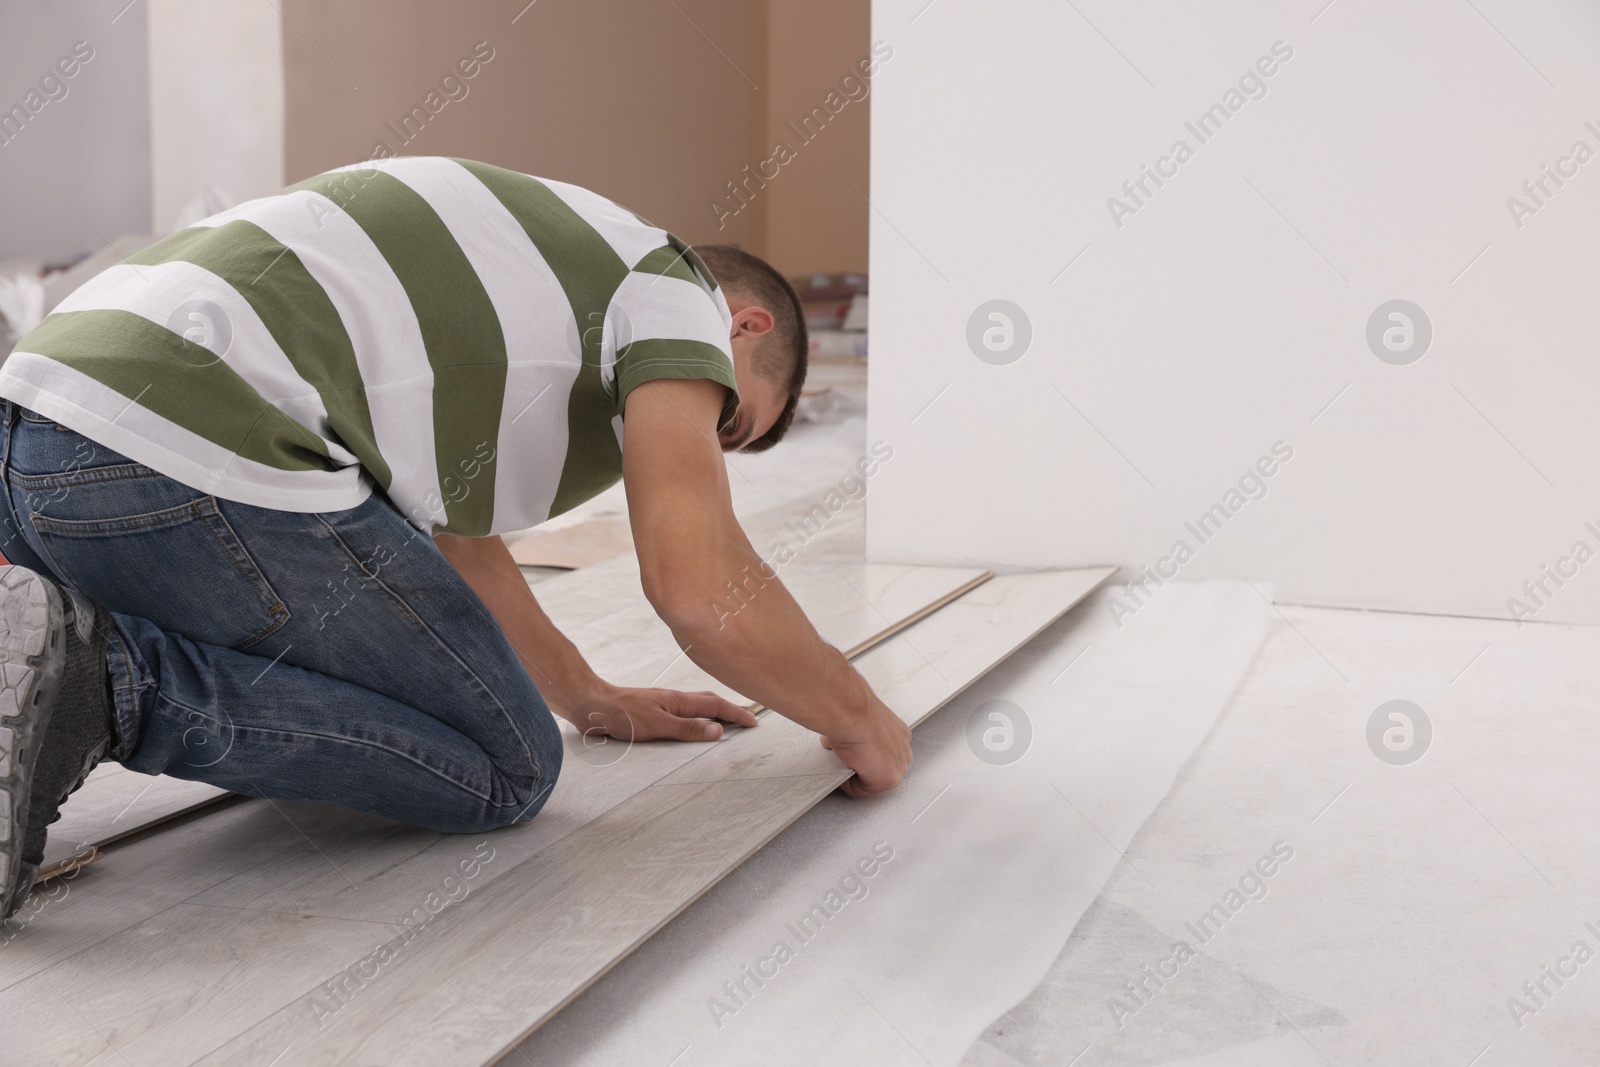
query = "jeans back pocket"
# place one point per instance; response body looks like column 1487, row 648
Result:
column 182, row 568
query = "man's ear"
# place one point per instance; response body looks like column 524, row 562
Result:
column 753, row 321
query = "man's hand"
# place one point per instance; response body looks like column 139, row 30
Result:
column 570, row 688
column 877, row 746
column 654, row 714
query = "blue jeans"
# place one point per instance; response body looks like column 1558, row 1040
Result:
column 335, row 657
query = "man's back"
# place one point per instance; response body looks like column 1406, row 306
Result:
column 460, row 335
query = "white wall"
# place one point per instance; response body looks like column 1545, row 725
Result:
column 1231, row 308
column 77, row 166
column 216, row 101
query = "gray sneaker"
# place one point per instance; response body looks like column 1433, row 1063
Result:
column 56, row 720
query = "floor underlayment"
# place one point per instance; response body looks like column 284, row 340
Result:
column 1419, row 898
column 990, row 864
column 1415, row 903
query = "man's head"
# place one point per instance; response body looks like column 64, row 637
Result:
column 769, row 343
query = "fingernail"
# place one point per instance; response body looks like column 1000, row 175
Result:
column 713, row 731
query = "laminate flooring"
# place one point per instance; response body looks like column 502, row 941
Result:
column 280, row 935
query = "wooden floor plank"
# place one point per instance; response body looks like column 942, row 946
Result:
column 668, row 844
column 38, row 1025
column 851, row 604
column 114, row 803
column 133, row 883
column 582, row 544
column 916, row 672
column 220, row 969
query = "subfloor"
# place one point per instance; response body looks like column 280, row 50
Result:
column 1419, row 897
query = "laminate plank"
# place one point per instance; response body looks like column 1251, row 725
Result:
column 585, row 902
column 219, row 969
column 923, row 669
column 667, row 844
column 793, row 525
column 134, row 882
column 573, row 547
column 39, row 1026
column 931, row 664
column 852, row 604
column 114, row 803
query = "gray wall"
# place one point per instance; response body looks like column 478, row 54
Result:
column 92, row 143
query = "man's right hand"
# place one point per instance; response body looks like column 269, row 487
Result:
column 878, row 749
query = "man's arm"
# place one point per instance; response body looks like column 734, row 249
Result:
column 565, row 680
column 691, row 546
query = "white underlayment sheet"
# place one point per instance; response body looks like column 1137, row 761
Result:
column 991, row 868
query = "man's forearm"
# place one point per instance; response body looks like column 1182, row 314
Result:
column 691, row 547
column 761, row 644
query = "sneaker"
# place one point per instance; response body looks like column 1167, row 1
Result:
column 56, row 719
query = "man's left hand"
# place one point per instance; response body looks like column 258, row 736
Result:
column 656, row 714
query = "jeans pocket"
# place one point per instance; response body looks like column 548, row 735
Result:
column 182, row 568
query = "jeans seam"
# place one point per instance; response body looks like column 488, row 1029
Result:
column 6, row 474
column 143, row 520
column 248, row 567
column 66, row 480
column 505, row 713
column 376, row 746
column 127, row 746
column 373, row 577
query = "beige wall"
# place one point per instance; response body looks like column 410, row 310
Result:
column 625, row 98
column 628, row 99
column 815, row 221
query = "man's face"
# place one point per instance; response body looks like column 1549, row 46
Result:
column 760, row 403
column 761, row 400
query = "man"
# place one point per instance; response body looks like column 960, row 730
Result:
column 255, row 477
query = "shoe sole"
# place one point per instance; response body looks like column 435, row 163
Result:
column 32, row 662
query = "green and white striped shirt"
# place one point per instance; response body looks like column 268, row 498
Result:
column 461, row 336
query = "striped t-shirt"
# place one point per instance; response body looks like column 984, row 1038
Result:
column 461, row 336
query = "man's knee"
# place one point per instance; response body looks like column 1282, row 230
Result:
column 522, row 796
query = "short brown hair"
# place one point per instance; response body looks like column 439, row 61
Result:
column 781, row 355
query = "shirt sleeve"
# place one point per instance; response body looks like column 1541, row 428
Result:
column 670, row 321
